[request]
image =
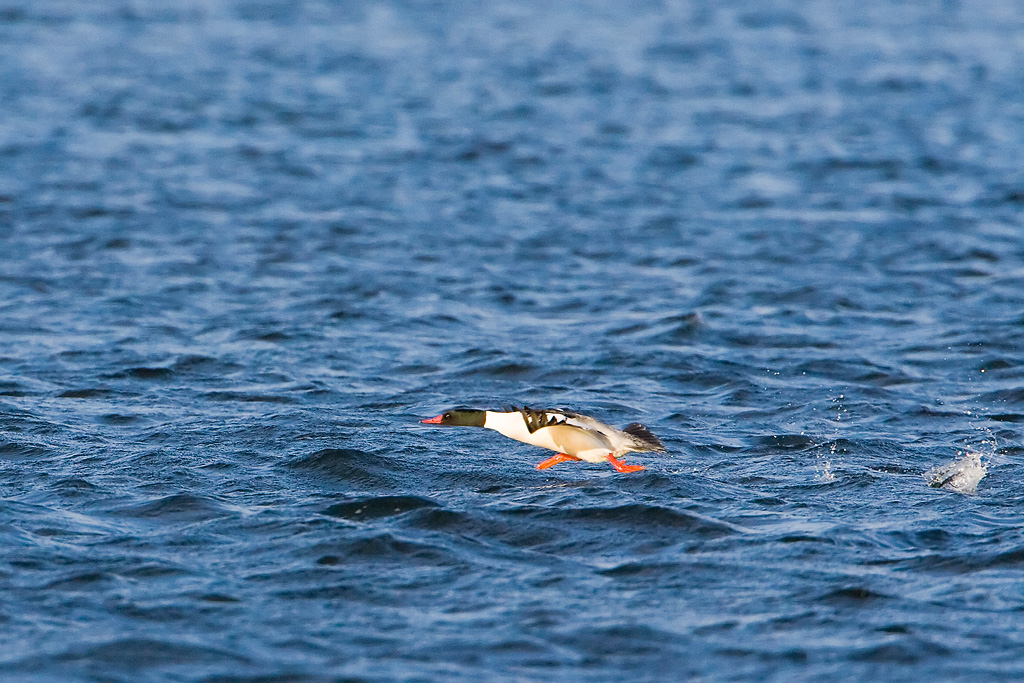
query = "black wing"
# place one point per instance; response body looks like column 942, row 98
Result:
column 538, row 419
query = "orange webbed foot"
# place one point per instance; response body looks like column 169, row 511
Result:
column 623, row 467
column 554, row 460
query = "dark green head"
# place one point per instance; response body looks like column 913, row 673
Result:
column 459, row 417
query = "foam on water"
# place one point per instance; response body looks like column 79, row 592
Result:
column 961, row 475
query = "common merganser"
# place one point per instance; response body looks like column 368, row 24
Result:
column 573, row 436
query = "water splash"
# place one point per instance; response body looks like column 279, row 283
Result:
column 825, row 473
column 961, row 475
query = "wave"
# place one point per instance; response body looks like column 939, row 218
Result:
column 178, row 507
column 632, row 515
column 383, row 506
column 357, row 467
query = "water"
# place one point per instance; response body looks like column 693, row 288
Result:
column 246, row 246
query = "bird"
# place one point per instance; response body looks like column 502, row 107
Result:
column 572, row 436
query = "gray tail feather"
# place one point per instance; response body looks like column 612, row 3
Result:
column 644, row 436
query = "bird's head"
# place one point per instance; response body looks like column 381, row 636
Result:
column 459, row 417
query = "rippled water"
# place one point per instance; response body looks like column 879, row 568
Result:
column 247, row 245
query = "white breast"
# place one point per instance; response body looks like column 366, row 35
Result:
column 513, row 426
column 575, row 440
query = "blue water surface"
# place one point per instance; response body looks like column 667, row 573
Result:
column 245, row 245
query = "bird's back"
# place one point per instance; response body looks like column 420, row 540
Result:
column 590, row 433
